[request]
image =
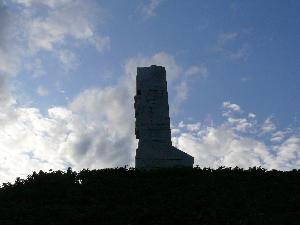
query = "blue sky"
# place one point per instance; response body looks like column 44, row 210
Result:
column 67, row 70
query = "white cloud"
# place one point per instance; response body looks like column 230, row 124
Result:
column 106, row 135
column 181, row 92
column 6, row 97
column 245, row 79
column 240, row 53
column 69, row 60
column 63, row 25
column 96, row 130
column 76, row 19
column 49, row 3
column 182, row 88
column 23, row 33
column 280, row 135
column 229, row 44
column 197, row 70
column 236, row 142
column 28, row 142
column 223, row 146
column 251, row 115
column 228, row 36
column 231, row 106
column 100, row 43
column 240, row 124
column 9, row 49
column 148, row 10
column 42, row 91
column 36, row 68
column 191, row 127
column 9, row 62
column 9, row 57
column 60, row 113
column 287, row 155
column 268, row 126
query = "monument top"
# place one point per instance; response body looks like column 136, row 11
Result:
column 148, row 72
column 152, row 67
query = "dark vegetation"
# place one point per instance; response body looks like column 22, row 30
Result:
column 177, row 196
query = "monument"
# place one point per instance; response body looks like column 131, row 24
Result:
column 152, row 124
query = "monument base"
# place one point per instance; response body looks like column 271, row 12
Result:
column 162, row 158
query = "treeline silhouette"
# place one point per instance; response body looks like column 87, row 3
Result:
column 122, row 196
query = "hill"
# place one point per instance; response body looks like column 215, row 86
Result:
column 123, row 196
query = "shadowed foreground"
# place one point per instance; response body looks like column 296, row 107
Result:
column 174, row 196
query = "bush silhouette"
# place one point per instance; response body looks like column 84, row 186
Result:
column 170, row 196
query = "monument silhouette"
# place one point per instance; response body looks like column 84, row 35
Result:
column 152, row 124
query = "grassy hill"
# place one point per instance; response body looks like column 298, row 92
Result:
column 175, row 196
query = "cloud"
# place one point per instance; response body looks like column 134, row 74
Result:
column 101, row 43
column 42, row 91
column 63, row 25
column 228, row 36
column 32, row 141
column 9, row 49
column 191, row 127
column 76, row 20
column 240, row 124
column 240, row 53
column 236, row 119
column 49, row 3
column 230, row 45
column 280, row 135
column 181, row 92
column 6, row 97
column 268, row 126
column 221, row 146
column 148, row 10
column 9, row 56
column 106, row 137
column 231, row 106
column 28, row 142
column 197, row 70
column 69, row 60
column 9, row 63
column 251, row 115
column 95, row 130
column 224, row 145
column 288, row 156
column 182, row 87
column 24, row 33
column 245, row 79
column 36, row 68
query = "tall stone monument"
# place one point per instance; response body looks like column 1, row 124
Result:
column 152, row 124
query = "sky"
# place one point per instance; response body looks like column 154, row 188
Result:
column 67, row 81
